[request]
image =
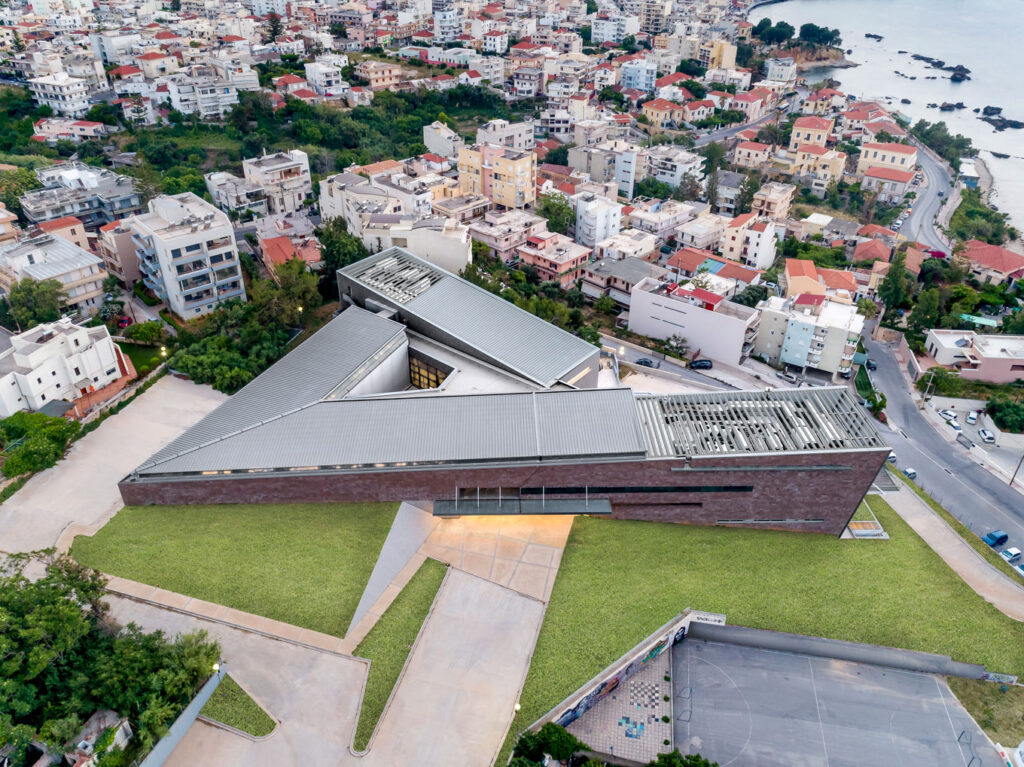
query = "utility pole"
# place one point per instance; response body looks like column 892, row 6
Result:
column 1019, row 464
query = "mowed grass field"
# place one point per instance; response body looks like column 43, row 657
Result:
column 231, row 705
column 620, row 580
column 304, row 564
column 388, row 644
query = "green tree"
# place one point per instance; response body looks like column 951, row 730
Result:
column 745, row 196
column 605, row 305
column 338, row 248
column 895, row 288
column 274, row 27
column 559, row 155
column 32, row 302
column 698, row 90
column 676, row 759
column 867, row 307
column 711, row 190
column 557, row 210
column 13, row 184
column 714, row 157
column 688, row 189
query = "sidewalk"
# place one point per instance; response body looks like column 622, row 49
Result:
column 985, row 580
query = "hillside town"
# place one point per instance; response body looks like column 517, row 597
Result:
column 440, row 256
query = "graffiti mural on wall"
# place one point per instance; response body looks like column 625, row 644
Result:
column 616, row 679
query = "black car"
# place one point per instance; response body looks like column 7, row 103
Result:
column 645, row 362
column 701, row 365
column 871, row 365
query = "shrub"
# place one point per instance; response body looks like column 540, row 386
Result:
column 43, row 441
column 144, row 370
column 1008, row 415
column 145, row 332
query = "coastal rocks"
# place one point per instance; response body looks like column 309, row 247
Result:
column 872, row 36
column 1002, row 123
column 900, row 52
column 959, row 71
column 948, row 106
column 991, row 111
column 904, row 101
column 1000, row 155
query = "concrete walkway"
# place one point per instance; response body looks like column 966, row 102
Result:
column 80, row 493
column 455, row 700
column 989, row 583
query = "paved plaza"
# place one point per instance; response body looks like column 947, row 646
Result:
column 628, row 722
column 762, row 708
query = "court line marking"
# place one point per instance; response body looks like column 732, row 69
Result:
column 817, row 708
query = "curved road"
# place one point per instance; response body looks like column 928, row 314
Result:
column 920, row 225
column 975, row 496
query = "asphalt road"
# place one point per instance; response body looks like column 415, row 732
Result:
column 978, row 498
column 920, row 224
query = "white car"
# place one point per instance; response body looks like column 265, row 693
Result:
column 955, row 426
column 987, row 436
column 949, row 415
column 972, row 417
column 891, row 458
column 1011, row 554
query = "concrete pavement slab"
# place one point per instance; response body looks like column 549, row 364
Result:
column 82, row 488
column 455, row 701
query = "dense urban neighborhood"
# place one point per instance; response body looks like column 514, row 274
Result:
column 434, row 382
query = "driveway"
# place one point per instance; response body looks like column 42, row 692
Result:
column 313, row 695
column 81, row 490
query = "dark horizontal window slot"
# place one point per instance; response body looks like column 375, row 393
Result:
column 599, row 490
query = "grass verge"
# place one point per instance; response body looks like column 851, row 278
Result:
column 620, row 580
column 231, row 705
column 863, row 514
column 389, row 641
column 304, row 564
column 962, row 530
column 998, row 709
column 141, row 355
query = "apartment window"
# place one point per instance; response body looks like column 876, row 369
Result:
column 76, row 342
column 39, row 380
column 42, row 396
column 175, row 253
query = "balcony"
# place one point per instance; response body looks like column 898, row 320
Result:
column 225, row 274
column 194, row 299
column 195, row 282
column 195, row 268
column 220, row 242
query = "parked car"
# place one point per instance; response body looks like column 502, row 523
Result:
column 891, row 458
column 911, row 474
column 871, row 364
column 955, row 425
column 645, row 362
column 788, row 377
column 1011, row 554
column 996, row 538
column 942, row 194
column 986, row 436
column 1020, row 570
column 124, row 322
column 847, row 374
column 949, row 415
column 701, row 364
column 972, row 417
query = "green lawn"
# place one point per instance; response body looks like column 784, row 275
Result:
column 863, row 383
column 863, row 514
column 389, row 641
column 141, row 355
column 620, row 580
column 305, row 564
column 231, row 705
column 998, row 709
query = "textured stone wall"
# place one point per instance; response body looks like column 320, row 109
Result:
column 811, row 492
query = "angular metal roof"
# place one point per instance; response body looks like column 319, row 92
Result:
column 328, row 363
column 423, row 430
column 494, row 328
column 817, row 419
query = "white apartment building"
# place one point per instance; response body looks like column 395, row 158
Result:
column 504, row 231
column 442, row 140
column 447, row 25
column 780, row 69
column 661, row 217
column 630, row 243
column 229, row 192
column 597, row 219
column 704, row 232
column 639, row 74
column 205, row 95
column 442, row 241
column 284, row 178
column 612, row 28
column 711, row 324
column 238, row 73
column 114, row 46
column 326, row 79
column 671, row 164
column 503, row 133
column 48, row 257
column 608, row 161
column 64, row 94
column 55, row 361
column 750, row 240
column 187, row 254
column 808, row 331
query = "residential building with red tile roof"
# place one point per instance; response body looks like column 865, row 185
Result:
column 993, row 263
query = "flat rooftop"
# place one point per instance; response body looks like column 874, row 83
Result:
column 818, row 419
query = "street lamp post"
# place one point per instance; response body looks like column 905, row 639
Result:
column 300, row 317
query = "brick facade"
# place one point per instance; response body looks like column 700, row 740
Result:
column 812, row 492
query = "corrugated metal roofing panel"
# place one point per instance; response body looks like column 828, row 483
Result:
column 304, row 376
column 416, row 430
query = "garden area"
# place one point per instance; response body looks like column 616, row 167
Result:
column 232, row 706
column 303, row 564
column 620, row 580
column 997, row 708
column 389, row 642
